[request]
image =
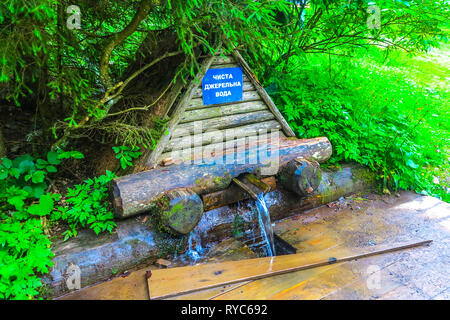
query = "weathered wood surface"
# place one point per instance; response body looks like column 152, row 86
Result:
column 227, row 148
column 220, row 111
column 232, row 194
column 300, row 176
column 246, row 86
column 222, row 122
column 180, row 210
column 168, row 283
column 216, row 136
column 220, row 60
column 228, row 65
column 134, row 193
column 246, row 96
column 178, row 112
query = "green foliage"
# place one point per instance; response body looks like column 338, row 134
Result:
column 126, row 155
column 374, row 113
column 24, row 254
column 24, row 201
column 86, row 205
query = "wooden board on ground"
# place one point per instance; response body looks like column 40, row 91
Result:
column 172, row 282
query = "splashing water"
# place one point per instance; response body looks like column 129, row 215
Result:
column 265, row 225
column 194, row 254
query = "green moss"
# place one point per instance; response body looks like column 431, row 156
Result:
column 366, row 176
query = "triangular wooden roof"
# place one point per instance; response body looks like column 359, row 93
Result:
column 248, row 117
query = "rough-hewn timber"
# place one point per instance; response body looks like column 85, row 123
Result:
column 134, row 194
column 300, row 176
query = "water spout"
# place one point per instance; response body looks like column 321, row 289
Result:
column 265, row 225
column 194, row 253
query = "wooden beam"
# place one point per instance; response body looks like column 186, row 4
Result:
column 216, row 136
column 220, row 111
column 246, row 96
column 224, row 122
column 166, row 283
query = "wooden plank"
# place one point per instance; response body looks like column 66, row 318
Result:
column 224, row 122
column 178, row 112
column 171, row 282
column 221, row 111
column 221, row 135
column 220, row 60
column 287, row 130
column 228, row 65
column 246, row 86
column 248, row 143
column 246, row 96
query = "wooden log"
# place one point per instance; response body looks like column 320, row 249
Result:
column 221, row 60
column 232, row 194
column 215, row 136
column 246, row 96
column 180, row 210
column 225, row 122
column 225, row 110
column 300, row 176
column 250, row 142
column 135, row 193
column 228, row 65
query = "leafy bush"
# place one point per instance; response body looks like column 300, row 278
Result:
column 126, row 155
column 87, row 205
column 24, row 204
column 374, row 113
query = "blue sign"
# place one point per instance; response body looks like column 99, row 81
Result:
column 222, row 86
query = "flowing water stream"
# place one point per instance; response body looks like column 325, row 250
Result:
column 194, row 253
column 265, row 225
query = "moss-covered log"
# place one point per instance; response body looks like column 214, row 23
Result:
column 180, row 210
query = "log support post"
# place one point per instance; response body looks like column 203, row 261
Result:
column 301, row 176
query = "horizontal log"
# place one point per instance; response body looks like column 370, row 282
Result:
column 226, row 110
column 227, row 147
column 223, row 122
column 136, row 193
column 220, row 60
column 246, row 96
column 228, row 65
column 216, row 136
column 246, row 86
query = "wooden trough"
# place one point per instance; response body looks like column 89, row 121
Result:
column 206, row 146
